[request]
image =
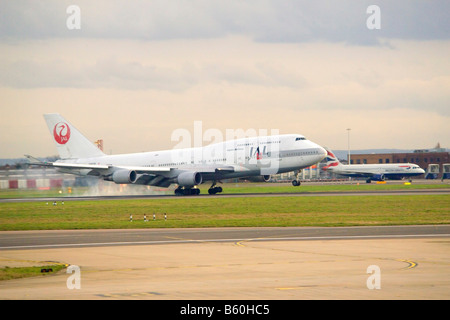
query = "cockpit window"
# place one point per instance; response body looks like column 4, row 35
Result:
column 300, row 138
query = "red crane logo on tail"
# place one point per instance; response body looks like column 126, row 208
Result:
column 61, row 132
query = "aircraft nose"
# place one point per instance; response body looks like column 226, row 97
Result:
column 322, row 153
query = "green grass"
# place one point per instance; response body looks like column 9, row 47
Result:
column 25, row 272
column 192, row 212
column 239, row 188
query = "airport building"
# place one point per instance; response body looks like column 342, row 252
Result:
column 34, row 178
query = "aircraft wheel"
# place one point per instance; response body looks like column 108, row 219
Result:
column 215, row 190
column 296, row 183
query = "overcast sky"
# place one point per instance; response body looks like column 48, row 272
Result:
column 136, row 71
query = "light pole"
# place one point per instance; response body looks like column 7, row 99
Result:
column 348, row 143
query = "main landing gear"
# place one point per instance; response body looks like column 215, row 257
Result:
column 194, row 191
column 213, row 189
column 183, row 191
column 296, row 182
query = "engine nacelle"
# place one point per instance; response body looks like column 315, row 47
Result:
column 265, row 178
column 378, row 177
column 124, row 176
column 189, row 179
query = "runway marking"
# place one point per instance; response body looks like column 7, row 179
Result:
column 411, row 264
column 296, row 288
column 98, row 244
column 126, row 294
column 239, row 243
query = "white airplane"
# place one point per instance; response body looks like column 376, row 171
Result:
column 377, row 172
column 248, row 157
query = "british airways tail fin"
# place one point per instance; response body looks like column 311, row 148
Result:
column 70, row 143
column 332, row 160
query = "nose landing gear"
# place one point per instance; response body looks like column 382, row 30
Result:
column 297, row 182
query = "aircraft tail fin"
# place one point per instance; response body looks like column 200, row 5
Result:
column 69, row 142
column 332, row 160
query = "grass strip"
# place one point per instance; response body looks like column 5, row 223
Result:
column 8, row 273
column 192, row 212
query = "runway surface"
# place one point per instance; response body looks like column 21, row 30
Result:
column 91, row 238
column 241, row 195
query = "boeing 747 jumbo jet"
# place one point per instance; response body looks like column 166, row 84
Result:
column 377, row 172
column 188, row 168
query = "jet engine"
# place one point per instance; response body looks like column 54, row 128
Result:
column 124, row 176
column 378, row 177
column 189, row 179
column 265, row 178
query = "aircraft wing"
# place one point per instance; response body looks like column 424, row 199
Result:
column 138, row 169
column 78, row 166
column 143, row 170
column 354, row 172
column 209, row 168
column 359, row 173
column 156, row 176
column 99, row 168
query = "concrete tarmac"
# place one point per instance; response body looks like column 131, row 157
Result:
column 328, row 268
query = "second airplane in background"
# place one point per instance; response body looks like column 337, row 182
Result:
column 377, row 172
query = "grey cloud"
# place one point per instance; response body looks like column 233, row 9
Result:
column 32, row 74
column 102, row 74
column 263, row 20
column 133, row 75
